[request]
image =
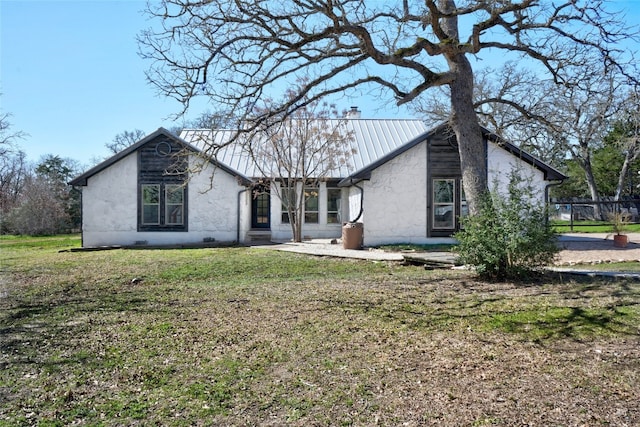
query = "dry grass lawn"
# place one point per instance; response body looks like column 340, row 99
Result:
column 244, row 337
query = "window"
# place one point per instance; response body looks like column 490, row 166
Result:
column 287, row 194
column 162, row 207
column 311, row 205
column 443, row 203
column 334, row 197
column 174, row 204
column 151, row 204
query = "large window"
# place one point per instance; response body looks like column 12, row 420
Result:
column 311, row 205
column 334, row 197
column 162, row 207
column 443, row 203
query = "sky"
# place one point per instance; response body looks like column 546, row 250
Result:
column 72, row 79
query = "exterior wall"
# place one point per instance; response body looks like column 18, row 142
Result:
column 213, row 204
column 110, row 211
column 501, row 164
column 282, row 231
column 395, row 200
column 396, row 196
column 109, row 205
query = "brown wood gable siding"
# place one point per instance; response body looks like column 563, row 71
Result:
column 162, row 161
column 443, row 161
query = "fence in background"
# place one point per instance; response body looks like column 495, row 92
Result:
column 588, row 213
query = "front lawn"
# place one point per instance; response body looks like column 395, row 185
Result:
column 247, row 337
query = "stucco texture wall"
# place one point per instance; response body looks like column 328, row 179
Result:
column 109, row 204
column 110, row 212
column 395, row 200
column 502, row 164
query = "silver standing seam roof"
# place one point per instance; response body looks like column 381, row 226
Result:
column 372, row 139
column 374, row 142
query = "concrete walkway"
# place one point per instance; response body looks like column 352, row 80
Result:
column 324, row 247
column 571, row 242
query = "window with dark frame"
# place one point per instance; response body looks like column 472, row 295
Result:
column 150, row 204
column 287, row 195
column 162, row 188
column 334, row 198
column 444, row 203
column 174, row 204
column 311, row 212
column 162, row 205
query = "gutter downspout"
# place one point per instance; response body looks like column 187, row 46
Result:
column 238, row 214
column 361, row 201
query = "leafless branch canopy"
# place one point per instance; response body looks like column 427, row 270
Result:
column 237, row 52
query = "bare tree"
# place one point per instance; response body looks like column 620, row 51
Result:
column 510, row 101
column 13, row 169
column 124, row 140
column 14, row 172
column 626, row 135
column 8, row 138
column 236, row 52
column 40, row 211
column 298, row 152
column 584, row 116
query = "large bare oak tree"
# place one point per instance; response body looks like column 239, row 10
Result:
column 236, row 52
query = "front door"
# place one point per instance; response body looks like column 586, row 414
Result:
column 261, row 209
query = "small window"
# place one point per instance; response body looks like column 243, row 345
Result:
column 443, row 203
column 311, row 205
column 151, row 204
column 334, row 197
column 174, row 204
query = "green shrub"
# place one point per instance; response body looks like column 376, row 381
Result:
column 511, row 237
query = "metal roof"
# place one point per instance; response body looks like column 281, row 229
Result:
column 372, row 139
column 550, row 173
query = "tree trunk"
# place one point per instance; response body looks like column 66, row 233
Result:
column 298, row 213
column 464, row 122
column 623, row 174
column 593, row 189
column 630, row 156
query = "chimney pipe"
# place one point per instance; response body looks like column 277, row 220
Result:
column 353, row 113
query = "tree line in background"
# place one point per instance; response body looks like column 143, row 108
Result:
column 35, row 198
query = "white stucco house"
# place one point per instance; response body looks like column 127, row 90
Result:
column 403, row 182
